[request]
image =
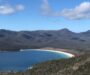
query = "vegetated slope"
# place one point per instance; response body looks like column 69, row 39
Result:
column 13, row 40
column 73, row 66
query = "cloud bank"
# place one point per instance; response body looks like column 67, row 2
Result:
column 81, row 11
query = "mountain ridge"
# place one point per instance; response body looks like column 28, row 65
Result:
column 64, row 38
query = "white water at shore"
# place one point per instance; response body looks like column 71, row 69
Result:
column 61, row 52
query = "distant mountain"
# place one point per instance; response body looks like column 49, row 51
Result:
column 64, row 38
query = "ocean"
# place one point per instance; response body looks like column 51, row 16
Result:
column 22, row 60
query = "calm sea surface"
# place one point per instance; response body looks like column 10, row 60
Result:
column 19, row 61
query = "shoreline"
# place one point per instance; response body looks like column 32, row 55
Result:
column 56, row 51
column 66, row 53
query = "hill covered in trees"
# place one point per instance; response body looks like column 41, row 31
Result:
column 74, row 66
column 64, row 38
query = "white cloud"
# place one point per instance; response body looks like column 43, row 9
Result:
column 20, row 7
column 8, row 9
column 45, row 7
column 81, row 11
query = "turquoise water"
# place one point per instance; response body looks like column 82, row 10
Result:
column 21, row 60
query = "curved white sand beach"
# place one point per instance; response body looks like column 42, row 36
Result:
column 61, row 52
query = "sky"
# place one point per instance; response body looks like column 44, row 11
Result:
column 45, row 15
